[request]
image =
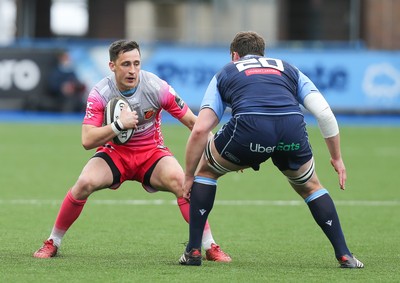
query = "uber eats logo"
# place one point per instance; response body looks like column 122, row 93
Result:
column 268, row 149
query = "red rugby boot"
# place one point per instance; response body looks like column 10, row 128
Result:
column 47, row 250
column 216, row 254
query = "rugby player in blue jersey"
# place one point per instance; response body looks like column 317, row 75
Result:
column 264, row 95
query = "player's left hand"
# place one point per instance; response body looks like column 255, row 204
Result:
column 129, row 119
column 341, row 170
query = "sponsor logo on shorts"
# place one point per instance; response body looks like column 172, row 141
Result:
column 231, row 157
column 269, row 149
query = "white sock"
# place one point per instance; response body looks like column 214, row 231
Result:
column 56, row 236
column 207, row 240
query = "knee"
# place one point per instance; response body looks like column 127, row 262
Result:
column 308, row 188
column 83, row 187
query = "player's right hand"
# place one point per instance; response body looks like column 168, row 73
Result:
column 187, row 186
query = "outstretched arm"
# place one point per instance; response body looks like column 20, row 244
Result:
column 188, row 119
column 333, row 144
column 196, row 144
column 319, row 107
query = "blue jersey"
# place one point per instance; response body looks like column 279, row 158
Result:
column 258, row 85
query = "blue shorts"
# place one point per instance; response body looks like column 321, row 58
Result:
column 249, row 140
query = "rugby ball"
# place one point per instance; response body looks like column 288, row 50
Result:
column 112, row 113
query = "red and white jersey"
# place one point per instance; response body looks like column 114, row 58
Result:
column 152, row 95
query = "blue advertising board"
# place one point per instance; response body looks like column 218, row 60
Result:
column 352, row 81
column 188, row 70
column 361, row 81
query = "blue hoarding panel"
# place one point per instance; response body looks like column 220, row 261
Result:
column 349, row 80
column 352, row 80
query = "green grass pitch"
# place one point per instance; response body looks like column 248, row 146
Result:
column 129, row 235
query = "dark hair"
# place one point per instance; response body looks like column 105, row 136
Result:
column 248, row 42
column 121, row 46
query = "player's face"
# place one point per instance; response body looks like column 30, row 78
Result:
column 126, row 69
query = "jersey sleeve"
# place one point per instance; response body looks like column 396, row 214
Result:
column 94, row 110
column 212, row 99
column 305, row 87
column 172, row 102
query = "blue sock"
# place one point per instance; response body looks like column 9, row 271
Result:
column 202, row 198
column 324, row 212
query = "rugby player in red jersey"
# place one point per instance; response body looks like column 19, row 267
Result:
column 144, row 158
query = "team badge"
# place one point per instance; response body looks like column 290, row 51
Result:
column 148, row 114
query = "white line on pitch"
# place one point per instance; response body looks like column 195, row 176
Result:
column 217, row 202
